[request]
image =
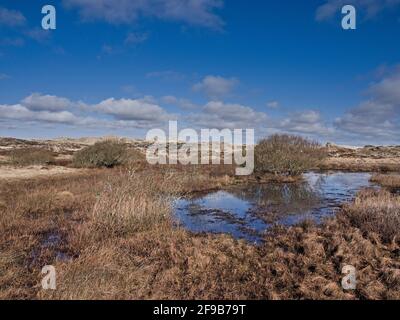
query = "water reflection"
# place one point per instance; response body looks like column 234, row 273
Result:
column 247, row 211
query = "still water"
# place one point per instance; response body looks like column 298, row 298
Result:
column 246, row 211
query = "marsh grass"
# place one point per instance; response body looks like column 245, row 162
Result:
column 114, row 225
column 376, row 212
column 387, row 180
column 134, row 202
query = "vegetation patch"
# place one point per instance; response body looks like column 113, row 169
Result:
column 116, row 227
column 31, row 156
column 132, row 202
column 287, row 155
column 376, row 212
column 391, row 181
column 108, row 153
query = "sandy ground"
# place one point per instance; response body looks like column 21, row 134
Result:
column 11, row 173
column 362, row 164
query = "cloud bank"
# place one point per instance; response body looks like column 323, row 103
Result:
column 193, row 12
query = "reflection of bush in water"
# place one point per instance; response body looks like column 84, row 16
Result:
column 285, row 198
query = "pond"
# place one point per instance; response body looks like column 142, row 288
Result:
column 246, row 211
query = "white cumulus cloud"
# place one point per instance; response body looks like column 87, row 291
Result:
column 216, row 87
column 141, row 110
column 221, row 115
column 38, row 102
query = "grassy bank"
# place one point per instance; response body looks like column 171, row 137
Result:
column 110, row 236
column 391, row 181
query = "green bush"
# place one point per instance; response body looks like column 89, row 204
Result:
column 287, row 155
column 107, row 154
column 31, row 156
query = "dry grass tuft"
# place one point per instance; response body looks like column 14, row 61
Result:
column 387, row 180
column 376, row 212
column 132, row 202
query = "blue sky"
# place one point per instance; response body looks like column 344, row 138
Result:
column 124, row 67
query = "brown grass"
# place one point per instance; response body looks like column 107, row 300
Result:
column 359, row 164
column 387, row 180
column 32, row 211
column 133, row 202
column 376, row 212
column 115, row 233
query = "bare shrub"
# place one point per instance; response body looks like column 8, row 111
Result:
column 376, row 211
column 287, row 155
column 108, row 153
column 31, row 156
